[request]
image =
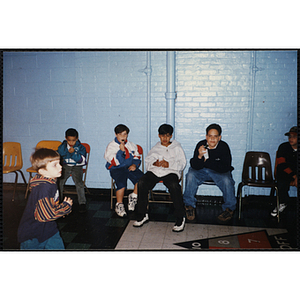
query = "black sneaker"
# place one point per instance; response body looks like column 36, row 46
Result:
column 82, row 208
column 179, row 225
column 226, row 215
column 190, row 213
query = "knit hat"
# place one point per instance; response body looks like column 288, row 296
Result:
column 294, row 129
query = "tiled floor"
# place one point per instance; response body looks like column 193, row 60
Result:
column 101, row 229
column 159, row 235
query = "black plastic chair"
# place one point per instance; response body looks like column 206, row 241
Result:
column 257, row 172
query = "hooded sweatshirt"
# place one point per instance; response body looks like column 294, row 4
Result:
column 41, row 211
column 173, row 154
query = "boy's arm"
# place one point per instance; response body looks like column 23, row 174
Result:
column 47, row 209
column 196, row 162
column 179, row 161
column 223, row 164
column 151, row 158
column 79, row 154
column 62, row 150
column 282, row 164
column 136, row 157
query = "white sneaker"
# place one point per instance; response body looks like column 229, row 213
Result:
column 132, row 201
column 281, row 209
column 179, row 225
column 120, row 210
column 142, row 222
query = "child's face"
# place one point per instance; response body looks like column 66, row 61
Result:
column 122, row 137
column 53, row 169
column 165, row 139
column 213, row 138
column 293, row 140
column 71, row 140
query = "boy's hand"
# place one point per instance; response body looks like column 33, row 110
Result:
column 132, row 167
column 122, row 146
column 201, row 151
column 161, row 163
column 71, row 150
column 164, row 164
column 68, row 200
column 157, row 163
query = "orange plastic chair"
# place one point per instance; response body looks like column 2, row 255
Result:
column 113, row 184
column 84, row 168
column 42, row 144
column 12, row 161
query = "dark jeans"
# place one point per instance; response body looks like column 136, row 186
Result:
column 148, row 182
column 283, row 184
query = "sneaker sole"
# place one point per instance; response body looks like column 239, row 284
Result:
column 140, row 225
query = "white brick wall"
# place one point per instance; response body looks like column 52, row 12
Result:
column 47, row 92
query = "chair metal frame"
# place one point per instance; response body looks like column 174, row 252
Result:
column 49, row 144
column 257, row 175
column 13, row 161
column 113, row 188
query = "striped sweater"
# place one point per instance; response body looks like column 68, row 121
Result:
column 41, row 211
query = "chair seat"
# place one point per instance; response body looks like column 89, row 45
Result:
column 7, row 170
column 259, row 183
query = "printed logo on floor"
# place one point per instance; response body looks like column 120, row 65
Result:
column 251, row 240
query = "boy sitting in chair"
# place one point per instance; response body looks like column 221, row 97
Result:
column 123, row 161
column 164, row 162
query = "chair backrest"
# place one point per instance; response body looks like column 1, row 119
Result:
column 88, row 150
column 48, row 144
column 85, row 167
column 257, row 167
column 12, row 155
column 141, row 152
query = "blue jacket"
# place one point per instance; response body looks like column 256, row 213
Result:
column 77, row 158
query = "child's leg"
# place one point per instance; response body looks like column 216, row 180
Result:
column 66, row 172
column 120, row 177
column 77, row 174
column 55, row 243
column 135, row 188
column 171, row 181
column 120, row 195
column 135, row 176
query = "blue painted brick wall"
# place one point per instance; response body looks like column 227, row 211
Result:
column 47, row 92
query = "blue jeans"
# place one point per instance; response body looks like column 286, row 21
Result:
column 223, row 181
column 53, row 243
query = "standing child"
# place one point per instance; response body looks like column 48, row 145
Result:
column 123, row 161
column 164, row 162
column 73, row 154
column 38, row 229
